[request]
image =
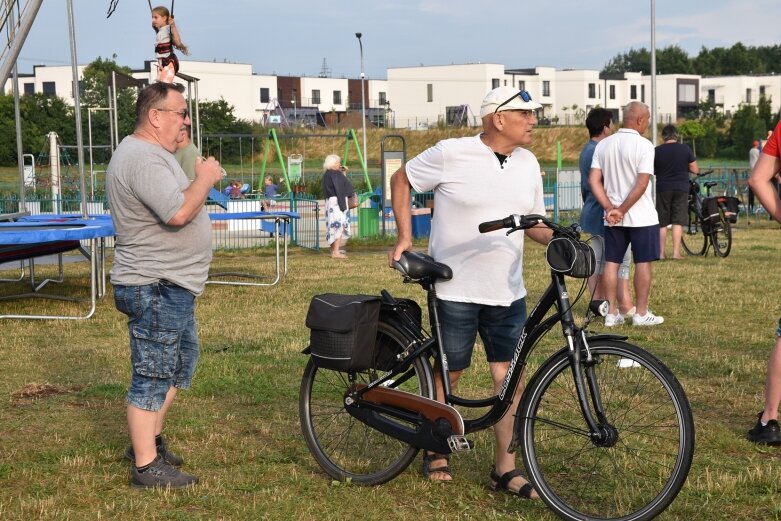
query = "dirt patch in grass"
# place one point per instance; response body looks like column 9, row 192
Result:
column 35, row 391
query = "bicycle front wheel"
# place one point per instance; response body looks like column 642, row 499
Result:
column 694, row 241
column 633, row 476
column 721, row 237
column 343, row 446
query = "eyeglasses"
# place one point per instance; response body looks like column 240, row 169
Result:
column 525, row 96
column 184, row 114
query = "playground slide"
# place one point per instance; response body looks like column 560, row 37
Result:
column 219, row 198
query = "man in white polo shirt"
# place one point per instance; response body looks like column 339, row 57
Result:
column 477, row 179
column 625, row 161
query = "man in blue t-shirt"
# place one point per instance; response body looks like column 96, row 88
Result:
column 673, row 162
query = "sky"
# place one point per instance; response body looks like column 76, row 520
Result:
column 296, row 37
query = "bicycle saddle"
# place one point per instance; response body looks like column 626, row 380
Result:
column 416, row 266
column 710, row 184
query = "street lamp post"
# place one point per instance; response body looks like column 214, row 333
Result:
column 293, row 101
column 363, row 102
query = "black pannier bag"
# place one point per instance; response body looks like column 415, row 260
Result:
column 406, row 317
column 570, row 257
column 343, row 330
column 710, row 210
column 732, row 207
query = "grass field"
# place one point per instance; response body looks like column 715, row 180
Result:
column 63, row 428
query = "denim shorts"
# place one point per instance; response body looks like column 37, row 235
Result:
column 499, row 327
column 163, row 340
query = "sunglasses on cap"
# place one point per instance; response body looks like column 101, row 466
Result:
column 525, row 96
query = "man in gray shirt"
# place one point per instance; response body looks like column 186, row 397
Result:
column 161, row 262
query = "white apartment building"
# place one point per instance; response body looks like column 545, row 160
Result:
column 425, row 96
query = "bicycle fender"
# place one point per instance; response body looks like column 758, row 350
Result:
column 607, row 336
column 307, row 350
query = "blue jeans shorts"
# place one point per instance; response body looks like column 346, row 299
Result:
column 499, row 327
column 164, row 345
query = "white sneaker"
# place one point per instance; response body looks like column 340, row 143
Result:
column 613, row 320
column 630, row 313
column 649, row 319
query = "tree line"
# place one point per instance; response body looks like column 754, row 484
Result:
column 737, row 60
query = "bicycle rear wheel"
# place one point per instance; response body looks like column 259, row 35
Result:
column 343, row 446
column 693, row 240
column 636, row 476
column 721, row 237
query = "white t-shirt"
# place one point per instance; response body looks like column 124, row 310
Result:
column 621, row 157
column 471, row 187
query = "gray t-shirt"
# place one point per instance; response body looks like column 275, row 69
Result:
column 144, row 184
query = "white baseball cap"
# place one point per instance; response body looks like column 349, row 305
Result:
column 507, row 98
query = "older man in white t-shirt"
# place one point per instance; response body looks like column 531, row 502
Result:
column 621, row 171
column 478, row 179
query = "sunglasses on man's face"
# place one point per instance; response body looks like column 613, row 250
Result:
column 525, row 96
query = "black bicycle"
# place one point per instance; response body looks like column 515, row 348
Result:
column 710, row 220
column 604, row 428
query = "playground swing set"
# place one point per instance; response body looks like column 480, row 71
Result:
column 293, row 168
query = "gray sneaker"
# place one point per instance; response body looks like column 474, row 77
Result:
column 162, row 450
column 160, row 474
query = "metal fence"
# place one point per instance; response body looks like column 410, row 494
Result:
column 561, row 194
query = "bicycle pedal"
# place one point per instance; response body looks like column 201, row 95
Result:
column 459, row 443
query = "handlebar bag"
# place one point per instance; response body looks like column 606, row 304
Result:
column 570, row 257
column 343, row 330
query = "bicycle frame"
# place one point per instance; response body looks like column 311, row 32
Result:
column 536, row 326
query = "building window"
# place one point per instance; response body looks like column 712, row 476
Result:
column 687, row 92
column 642, row 93
column 429, row 92
column 495, row 83
column 337, row 97
column 383, row 98
column 522, row 85
column 761, row 91
column 49, row 88
column 612, row 92
column 592, row 90
column 29, row 89
column 546, row 88
column 633, row 92
column 748, row 95
column 315, row 97
column 712, row 96
column 264, row 95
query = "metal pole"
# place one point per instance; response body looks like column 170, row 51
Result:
column 17, row 117
column 653, row 72
column 77, row 108
column 363, row 101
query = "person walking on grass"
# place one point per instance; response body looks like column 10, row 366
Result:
column 162, row 254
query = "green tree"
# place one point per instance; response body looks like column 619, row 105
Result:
column 673, row 60
column 96, row 80
column 745, row 128
column 39, row 115
column 218, row 118
column 692, row 129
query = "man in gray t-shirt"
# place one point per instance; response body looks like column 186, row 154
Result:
column 161, row 262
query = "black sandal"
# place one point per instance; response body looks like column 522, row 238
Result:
column 501, row 483
column 426, row 467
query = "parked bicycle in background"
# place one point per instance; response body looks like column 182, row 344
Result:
column 710, row 220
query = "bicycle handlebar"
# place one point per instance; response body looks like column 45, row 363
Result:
column 703, row 174
column 517, row 222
